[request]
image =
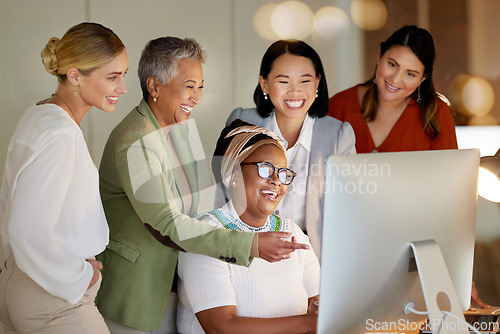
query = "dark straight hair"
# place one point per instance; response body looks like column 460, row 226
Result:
column 421, row 43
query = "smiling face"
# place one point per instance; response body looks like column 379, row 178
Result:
column 176, row 99
column 291, row 85
column 102, row 87
column 399, row 73
column 255, row 198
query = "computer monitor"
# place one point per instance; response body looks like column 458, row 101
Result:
column 376, row 205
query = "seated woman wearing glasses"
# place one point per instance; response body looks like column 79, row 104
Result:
column 221, row 297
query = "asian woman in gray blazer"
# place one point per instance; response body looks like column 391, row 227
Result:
column 292, row 100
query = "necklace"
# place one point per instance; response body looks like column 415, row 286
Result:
column 228, row 221
column 67, row 105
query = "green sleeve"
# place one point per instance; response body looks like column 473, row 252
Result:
column 149, row 181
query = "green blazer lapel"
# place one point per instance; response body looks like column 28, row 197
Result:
column 178, row 134
column 144, row 110
column 180, row 139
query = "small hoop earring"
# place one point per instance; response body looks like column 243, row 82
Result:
column 316, row 93
column 419, row 100
column 155, row 99
column 375, row 81
column 265, row 96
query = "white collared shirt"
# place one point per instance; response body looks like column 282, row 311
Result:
column 293, row 204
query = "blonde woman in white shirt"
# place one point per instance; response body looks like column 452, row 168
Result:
column 221, row 297
column 52, row 221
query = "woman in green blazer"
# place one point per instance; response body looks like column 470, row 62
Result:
column 149, row 189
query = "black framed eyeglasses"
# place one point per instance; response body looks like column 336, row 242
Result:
column 266, row 171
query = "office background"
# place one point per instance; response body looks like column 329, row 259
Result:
column 236, row 33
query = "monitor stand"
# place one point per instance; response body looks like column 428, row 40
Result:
column 436, row 282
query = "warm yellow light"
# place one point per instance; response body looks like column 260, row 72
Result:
column 262, row 22
column 456, row 97
column 488, row 185
column 329, row 21
column 483, row 120
column 478, row 96
column 292, row 20
column 369, row 14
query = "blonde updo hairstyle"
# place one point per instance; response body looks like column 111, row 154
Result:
column 86, row 46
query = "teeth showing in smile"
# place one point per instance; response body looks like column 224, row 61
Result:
column 186, row 108
column 112, row 98
column 270, row 193
column 391, row 87
column 294, row 103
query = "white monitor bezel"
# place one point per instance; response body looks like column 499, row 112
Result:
column 366, row 237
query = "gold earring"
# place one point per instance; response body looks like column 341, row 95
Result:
column 155, row 99
column 419, row 100
column 75, row 93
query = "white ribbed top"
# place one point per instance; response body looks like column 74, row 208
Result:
column 265, row 290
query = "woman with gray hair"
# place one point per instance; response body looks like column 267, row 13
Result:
column 149, row 188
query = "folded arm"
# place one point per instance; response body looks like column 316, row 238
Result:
column 224, row 319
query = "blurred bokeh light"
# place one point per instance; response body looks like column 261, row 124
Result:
column 329, row 21
column 262, row 22
column 473, row 97
column 456, row 88
column 488, row 185
column 483, row 120
column 292, row 20
column 369, row 14
column 296, row 20
column 478, row 96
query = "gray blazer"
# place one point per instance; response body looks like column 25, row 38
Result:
column 330, row 136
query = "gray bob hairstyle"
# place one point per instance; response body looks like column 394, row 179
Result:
column 159, row 59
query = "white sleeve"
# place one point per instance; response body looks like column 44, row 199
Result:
column 38, row 194
column 346, row 143
column 205, row 282
column 310, row 263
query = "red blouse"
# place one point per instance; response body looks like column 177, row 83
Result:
column 406, row 135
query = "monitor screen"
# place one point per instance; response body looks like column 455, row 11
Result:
column 375, row 206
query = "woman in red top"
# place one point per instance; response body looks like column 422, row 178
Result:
column 398, row 109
